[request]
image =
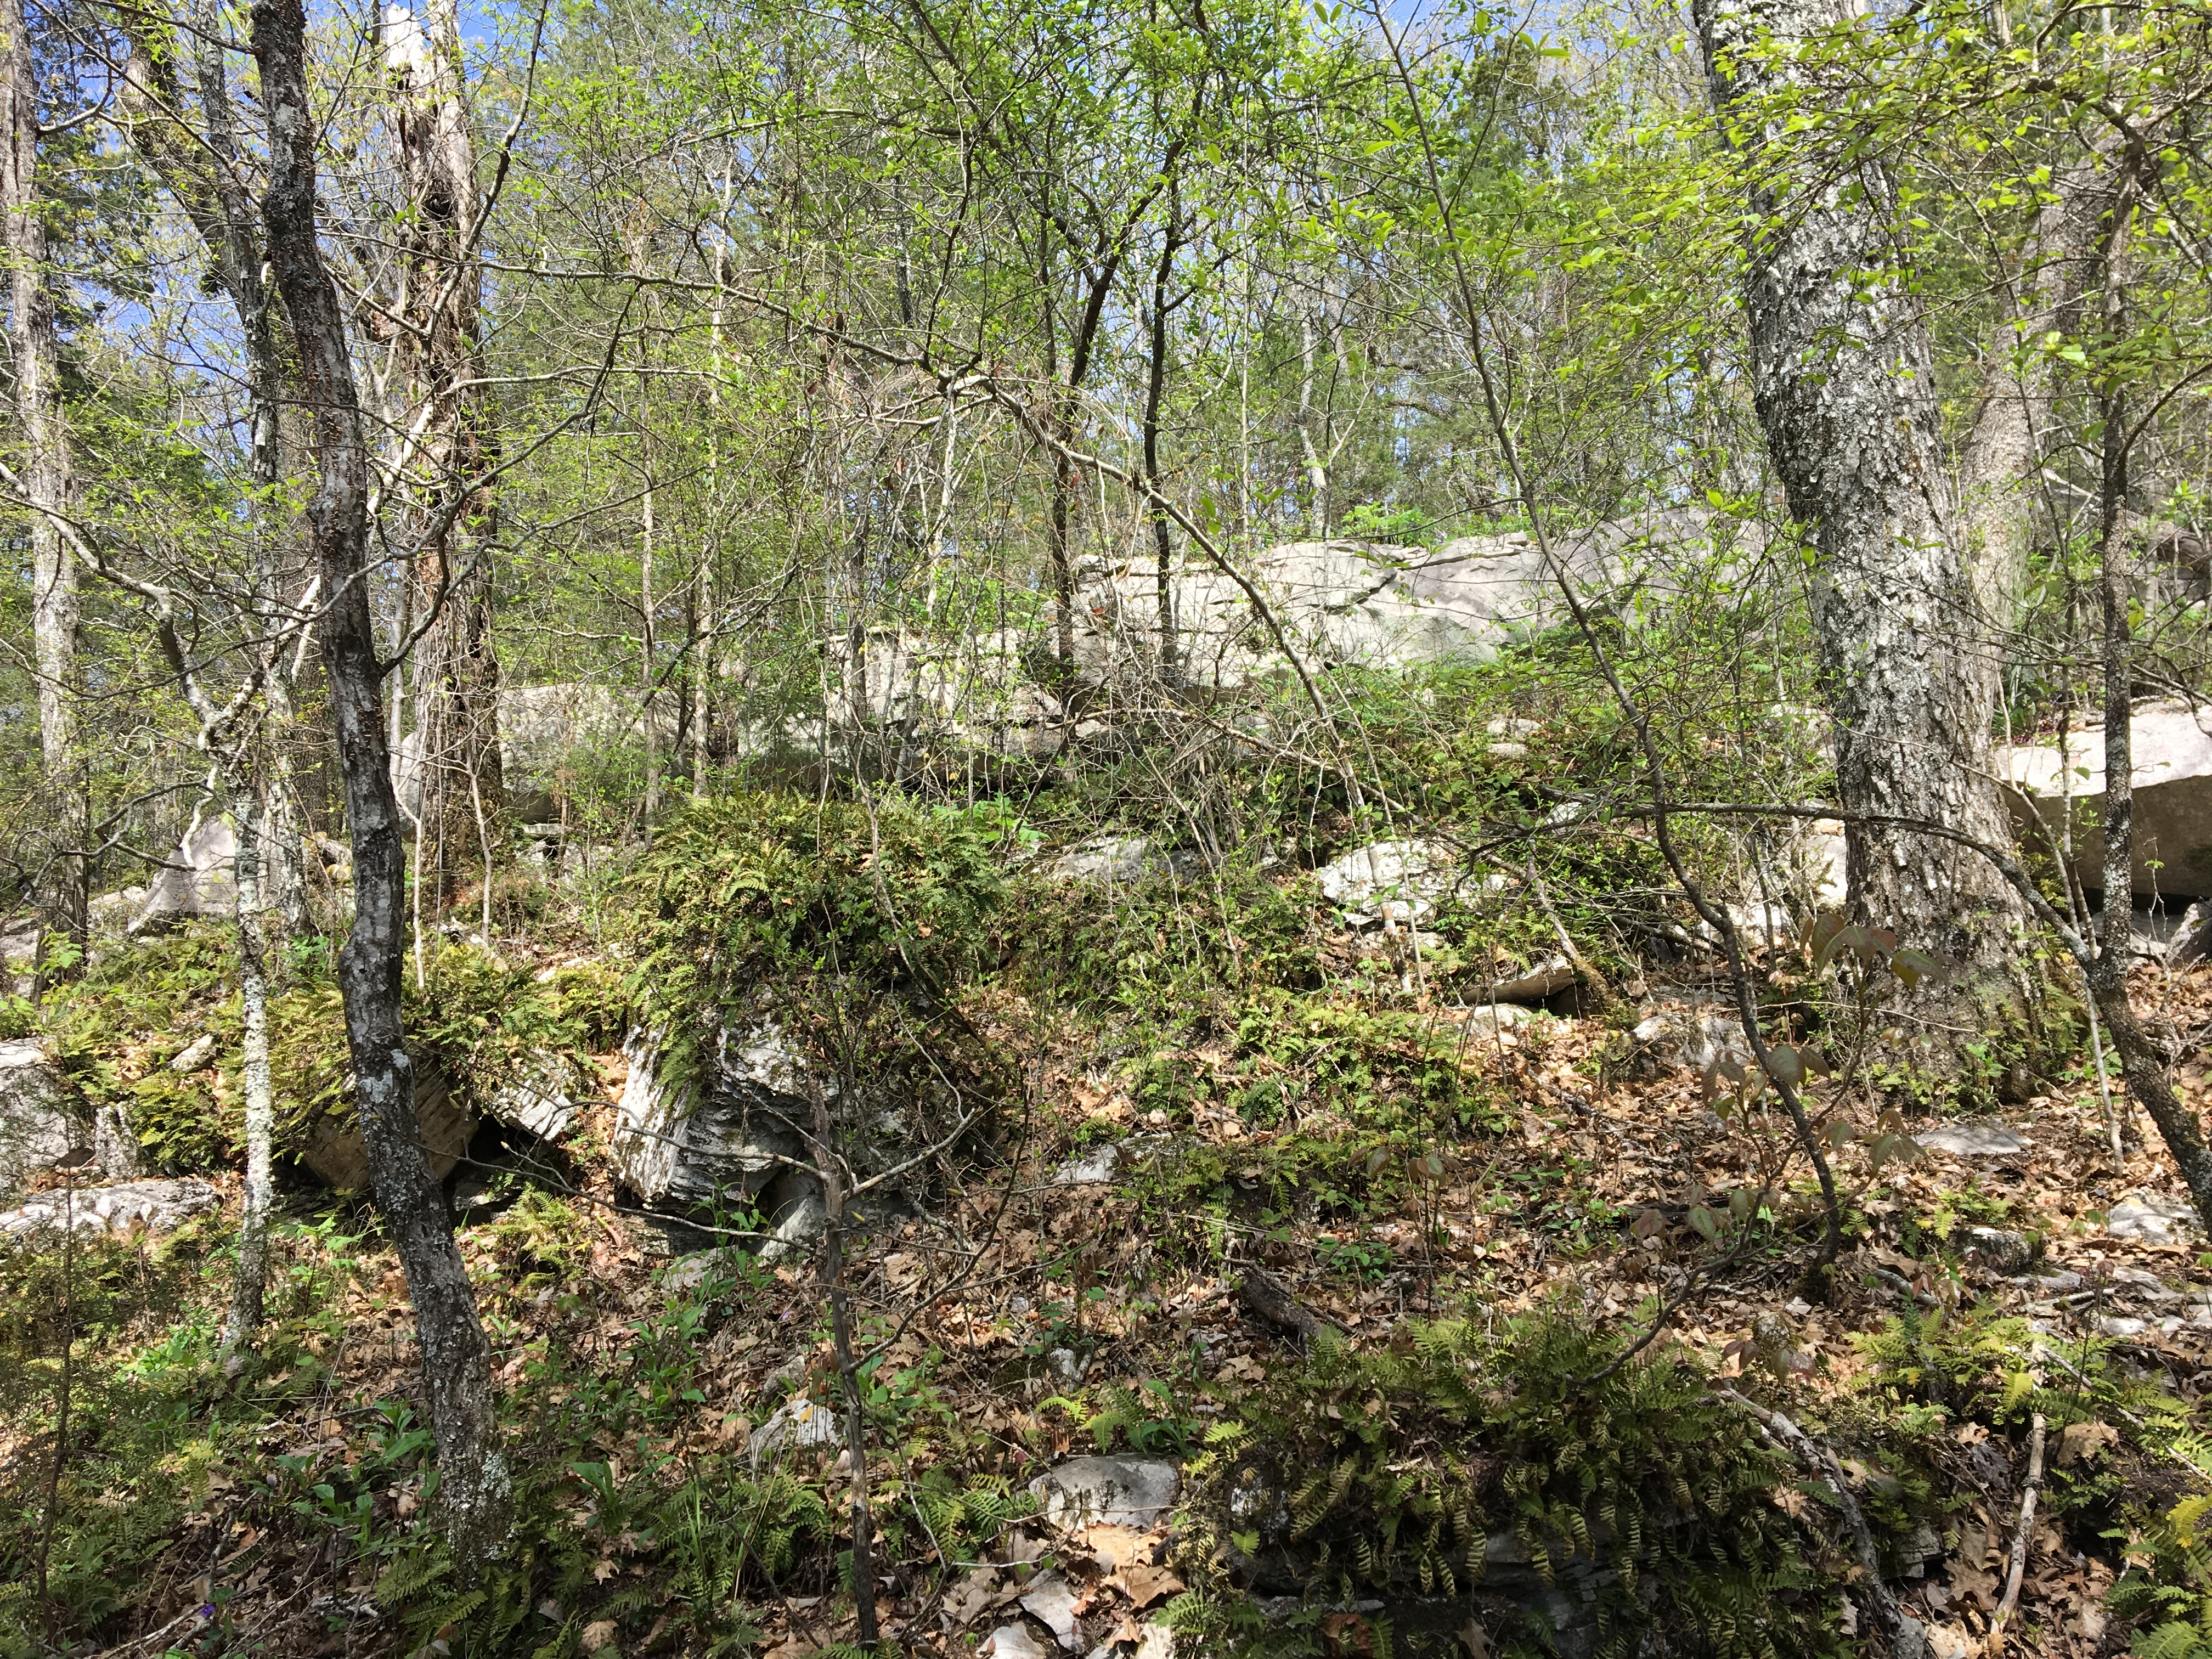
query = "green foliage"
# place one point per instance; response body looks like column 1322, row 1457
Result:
column 735, row 892
column 140, row 1003
column 115, row 1027
column 1450, row 1460
column 2169, row 1584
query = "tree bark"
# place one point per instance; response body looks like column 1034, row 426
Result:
column 474, row 1486
column 249, row 1288
column 207, row 175
column 455, row 516
column 47, row 473
column 2145, row 1069
column 1156, row 380
column 1843, row 384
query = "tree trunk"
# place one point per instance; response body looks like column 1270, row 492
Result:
column 2145, row 1069
column 1059, row 534
column 206, row 173
column 454, row 520
column 46, row 473
column 1156, row 382
column 2004, row 447
column 1843, row 381
column 456, row 1359
column 249, row 1287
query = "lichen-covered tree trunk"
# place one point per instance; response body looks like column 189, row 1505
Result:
column 206, row 173
column 453, row 521
column 1843, row 381
column 249, row 1288
column 45, row 472
column 474, row 1486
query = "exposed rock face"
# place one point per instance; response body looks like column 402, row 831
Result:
column 545, row 731
column 970, row 696
column 196, row 882
column 1107, row 1492
column 1400, row 881
column 37, row 1126
column 341, row 1157
column 719, row 1142
column 2172, row 784
column 1380, row 607
column 538, row 1099
column 153, row 1206
column 1338, row 602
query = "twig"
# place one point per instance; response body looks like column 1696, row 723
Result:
column 138, row 1643
column 2020, row 1537
column 1904, row 1634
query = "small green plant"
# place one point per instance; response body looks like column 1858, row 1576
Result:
column 1404, row 1472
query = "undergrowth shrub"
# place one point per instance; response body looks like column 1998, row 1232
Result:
column 1452, row 1465
column 848, row 914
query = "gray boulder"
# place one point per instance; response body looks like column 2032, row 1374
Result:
column 719, row 1142
column 2172, row 780
column 153, row 1206
column 1398, row 881
column 1107, row 860
column 1690, row 1034
column 799, row 1422
column 1973, row 1140
column 198, row 880
column 39, row 1126
column 1109, row 1492
column 2153, row 1218
column 340, row 1157
column 1486, row 1023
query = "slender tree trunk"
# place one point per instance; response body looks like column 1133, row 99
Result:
column 1060, row 531
column 206, row 173
column 1844, row 383
column 703, row 671
column 1317, row 502
column 455, row 512
column 474, row 1485
column 2004, row 447
column 840, row 1325
column 46, row 471
column 2145, row 1069
column 251, row 1284
column 1156, row 381
column 645, row 602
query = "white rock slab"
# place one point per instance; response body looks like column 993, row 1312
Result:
column 1094, row 1169
column 2154, row 1219
column 1052, row 1600
column 1012, row 1642
column 1973, row 1140
column 1107, row 1491
column 157, row 1206
column 1399, row 880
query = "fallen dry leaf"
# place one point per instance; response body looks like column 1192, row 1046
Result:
column 599, row 1635
column 2083, row 1442
column 1144, row 1584
column 1116, row 1547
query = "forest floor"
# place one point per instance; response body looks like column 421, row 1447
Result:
column 1032, row 1317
